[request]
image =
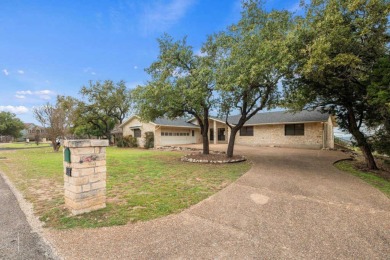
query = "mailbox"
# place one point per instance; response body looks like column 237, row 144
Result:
column 67, row 155
column 69, row 171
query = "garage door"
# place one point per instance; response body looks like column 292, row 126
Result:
column 174, row 140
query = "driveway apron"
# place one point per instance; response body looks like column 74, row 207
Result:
column 292, row 204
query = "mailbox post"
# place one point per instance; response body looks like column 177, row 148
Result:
column 85, row 175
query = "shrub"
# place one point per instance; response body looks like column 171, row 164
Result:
column 149, row 140
column 127, row 141
column 130, row 141
column 119, row 142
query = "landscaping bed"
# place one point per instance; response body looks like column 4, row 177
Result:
column 212, row 158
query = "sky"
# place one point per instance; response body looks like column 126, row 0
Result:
column 54, row 47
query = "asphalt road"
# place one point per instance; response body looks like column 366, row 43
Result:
column 17, row 240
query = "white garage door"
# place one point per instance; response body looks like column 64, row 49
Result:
column 176, row 137
column 173, row 140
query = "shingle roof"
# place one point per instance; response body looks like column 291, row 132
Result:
column 283, row 117
column 180, row 122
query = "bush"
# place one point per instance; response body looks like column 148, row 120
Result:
column 149, row 140
column 127, row 141
column 119, row 142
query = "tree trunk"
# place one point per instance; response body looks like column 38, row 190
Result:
column 361, row 141
column 366, row 150
column 54, row 144
column 205, row 136
column 232, row 139
column 204, row 131
column 206, row 147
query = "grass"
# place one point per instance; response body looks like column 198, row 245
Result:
column 369, row 177
column 141, row 184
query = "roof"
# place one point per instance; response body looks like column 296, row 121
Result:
column 279, row 117
column 283, row 117
column 179, row 122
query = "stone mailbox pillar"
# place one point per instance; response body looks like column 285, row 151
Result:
column 85, row 175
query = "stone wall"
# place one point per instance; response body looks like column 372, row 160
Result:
column 274, row 135
column 85, row 185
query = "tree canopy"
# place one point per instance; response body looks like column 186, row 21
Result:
column 56, row 119
column 105, row 104
column 252, row 58
column 336, row 47
column 182, row 83
column 10, row 124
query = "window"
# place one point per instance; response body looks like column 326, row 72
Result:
column 246, row 131
column 294, row 129
column 137, row 133
column 193, row 132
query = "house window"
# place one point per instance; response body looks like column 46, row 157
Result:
column 294, row 129
column 193, row 132
column 137, row 133
column 246, row 131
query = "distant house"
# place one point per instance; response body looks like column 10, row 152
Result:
column 31, row 131
column 305, row 129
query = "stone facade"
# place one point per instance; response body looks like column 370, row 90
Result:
column 274, row 135
column 135, row 123
column 317, row 135
column 85, row 185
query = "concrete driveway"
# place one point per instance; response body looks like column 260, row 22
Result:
column 292, row 204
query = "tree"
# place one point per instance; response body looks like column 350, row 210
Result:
column 336, row 47
column 253, row 58
column 378, row 95
column 106, row 104
column 55, row 118
column 181, row 84
column 10, row 124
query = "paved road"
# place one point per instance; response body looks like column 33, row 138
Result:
column 17, row 241
column 292, row 204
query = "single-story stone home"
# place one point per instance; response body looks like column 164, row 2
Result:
column 305, row 129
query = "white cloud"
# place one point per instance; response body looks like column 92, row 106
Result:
column 42, row 94
column 14, row 109
column 160, row 16
column 21, row 72
column 24, row 92
column 5, row 71
column 135, row 67
column 93, row 73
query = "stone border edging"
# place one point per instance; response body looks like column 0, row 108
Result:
column 186, row 158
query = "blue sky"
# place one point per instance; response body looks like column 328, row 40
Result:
column 53, row 47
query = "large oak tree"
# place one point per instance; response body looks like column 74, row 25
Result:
column 252, row 59
column 182, row 83
column 336, row 47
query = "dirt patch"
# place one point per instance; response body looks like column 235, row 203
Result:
column 212, row 158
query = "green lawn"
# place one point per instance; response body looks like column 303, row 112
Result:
column 369, row 177
column 141, row 184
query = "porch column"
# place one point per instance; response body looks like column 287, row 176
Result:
column 215, row 132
